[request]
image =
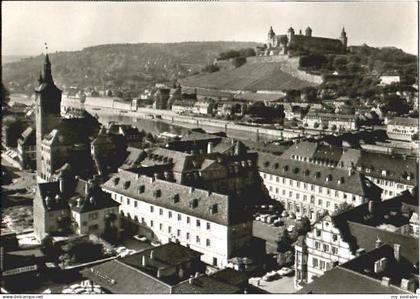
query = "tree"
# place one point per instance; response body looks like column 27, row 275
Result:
column 394, row 103
column 303, row 226
column 238, row 61
column 343, row 207
column 211, row 68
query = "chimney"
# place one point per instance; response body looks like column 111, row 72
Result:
column 196, row 274
column 159, row 273
column 143, row 261
column 62, row 185
column 360, row 251
column 378, row 242
column 377, row 267
column 397, row 254
column 152, row 254
column 210, row 146
column 384, row 263
column 408, row 284
column 86, row 187
column 191, row 280
column 385, row 281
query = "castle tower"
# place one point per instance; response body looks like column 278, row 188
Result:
column 343, row 38
column 290, row 34
column 308, row 31
column 47, row 103
column 270, row 37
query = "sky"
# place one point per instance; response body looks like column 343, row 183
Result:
column 69, row 26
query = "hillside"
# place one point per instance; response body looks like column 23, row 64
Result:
column 250, row 76
column 125, row 66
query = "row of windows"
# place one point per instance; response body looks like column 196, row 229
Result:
column 179, row 233
column 320, row 264
column 302, row 185
column 326, row 248
column 304, row 198
column 169, row 214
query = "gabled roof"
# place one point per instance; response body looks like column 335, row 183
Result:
column 195, row 202
column 404, row 121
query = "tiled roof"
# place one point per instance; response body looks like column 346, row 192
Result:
column 184, row 199
column 170, row 254
column 343, row 281
column 204, row 285
column 231, row 277
column 404, row 121
column 134, row 157
column 184, row 103
column 338, row 178
column 28, row 137
column 397, row 168
column 119, row 278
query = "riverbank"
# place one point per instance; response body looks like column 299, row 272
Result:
column 211, row 124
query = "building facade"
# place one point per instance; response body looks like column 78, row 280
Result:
column 199, row 219
column 402, row 128
column 26, row 149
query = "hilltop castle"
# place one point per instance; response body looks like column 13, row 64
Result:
column 293, row 44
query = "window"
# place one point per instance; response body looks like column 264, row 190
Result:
column 93, row 216
column 93, row 227
column 169, row 229
column 135, row 204
column 290, row 182
column 312, row 199
column 208, row 226
column 128, row 201
column 328, row 204
column 304, row 198
column 197, row 223
column 336, row 193
column 297, row 195
column 334, row 237
column 334, row 250
column 187, row 236
column 320, row 189
column 151, row 209
column 298, row 184
column 151, row 223
column 178, row 232
column 197, row 239
column 320, row 202
column 169, row 214
column 317, row 245
column 277, row 190
column 271, row 188
column 188, row 219
column 322, row 265
column 344, row 195
column 277, row 179
column 160, row 212
column 318, row 232
column 179, row 217
column 215, row 261
column 326, row 248
column 312, row 188
column 283, row 192
column 314, row 262
column 290, row 194
column 160, row 226
column 208, row 242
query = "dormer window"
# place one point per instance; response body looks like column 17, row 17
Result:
column 194, row 203
column 306, row 172
column 384, row 172
column 317, row 174
column 266, row 164
column 328, row 178
column 286, row 168
column 214, row 209
column 340, row 181
column 127, row 184
column 296, row 170
column 175, row 198
column 157, row 193
column 141, row 189
column 116, row 181
column 276, row 165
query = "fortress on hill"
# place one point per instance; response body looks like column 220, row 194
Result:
column 296, row 44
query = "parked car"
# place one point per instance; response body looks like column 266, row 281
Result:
column 285, row 271
column 140, row 238
column 284, row 214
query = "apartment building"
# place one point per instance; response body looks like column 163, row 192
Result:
column 169, row 212
column 311, row 183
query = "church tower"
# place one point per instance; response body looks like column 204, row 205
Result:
column 270, row 38
column 47, row 104
column 290, row 35
column 308, row 31
column 343, row 38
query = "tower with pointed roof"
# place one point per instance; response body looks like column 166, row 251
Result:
column 343, row 38
column 47, row 103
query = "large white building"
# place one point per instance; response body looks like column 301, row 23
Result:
column 204, row 221
column 309, row 181
column 402, row 128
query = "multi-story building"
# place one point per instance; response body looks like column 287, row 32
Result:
column 340, row 238
column 166, row 269
column 205, row 221
column 402, row 128
column 204, row 107
column 26, row 149
column 310, row 181
column 68, row 206
column 383, row 270
column 331, row 121
column 183, row 106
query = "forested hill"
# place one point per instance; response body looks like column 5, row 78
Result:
column 133, row 66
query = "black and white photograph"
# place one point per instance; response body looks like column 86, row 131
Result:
column 209, row 147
